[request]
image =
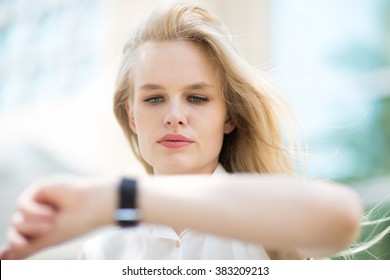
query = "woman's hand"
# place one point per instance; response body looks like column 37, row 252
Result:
column 58, row 209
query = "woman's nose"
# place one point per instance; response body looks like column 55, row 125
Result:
column 175, row 116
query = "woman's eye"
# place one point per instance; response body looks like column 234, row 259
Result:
column 198, row 99
column 153, row 100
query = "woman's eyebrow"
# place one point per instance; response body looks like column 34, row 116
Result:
column 199, row 86
column 195, row 86
column 151, row 86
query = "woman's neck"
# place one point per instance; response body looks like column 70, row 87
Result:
column 208, row 169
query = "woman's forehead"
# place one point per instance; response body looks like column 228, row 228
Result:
column 174, row 62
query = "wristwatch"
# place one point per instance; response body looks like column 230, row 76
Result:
column 127, row 213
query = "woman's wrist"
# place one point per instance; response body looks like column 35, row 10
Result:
column 102, row 201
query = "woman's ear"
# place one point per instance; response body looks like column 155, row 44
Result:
column 130, row 118
column 229, row 125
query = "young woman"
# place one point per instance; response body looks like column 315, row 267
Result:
column 220, row 185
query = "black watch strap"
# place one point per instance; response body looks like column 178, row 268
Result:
column 127, row 213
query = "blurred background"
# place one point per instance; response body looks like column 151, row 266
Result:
column 58, row 62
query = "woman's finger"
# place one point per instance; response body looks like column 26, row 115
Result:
column 29, row 228
column 33, row 211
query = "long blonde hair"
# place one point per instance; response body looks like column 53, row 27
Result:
column 256, row 145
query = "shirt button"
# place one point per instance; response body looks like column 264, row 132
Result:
column 178, row 244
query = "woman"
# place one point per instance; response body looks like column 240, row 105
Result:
column 191, row 106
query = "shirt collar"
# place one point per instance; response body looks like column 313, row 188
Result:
column 219, row 170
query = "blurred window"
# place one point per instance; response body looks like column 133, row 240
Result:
column 48, row 49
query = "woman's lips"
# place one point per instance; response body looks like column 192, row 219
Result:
column 174, row 141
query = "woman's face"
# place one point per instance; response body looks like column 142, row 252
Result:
column 178, row 111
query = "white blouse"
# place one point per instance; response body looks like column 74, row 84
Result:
column 158, row 242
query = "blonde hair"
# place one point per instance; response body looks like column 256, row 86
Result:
column 256, row 145
column 373, row 227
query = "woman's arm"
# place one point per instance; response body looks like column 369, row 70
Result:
column 315, row 219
